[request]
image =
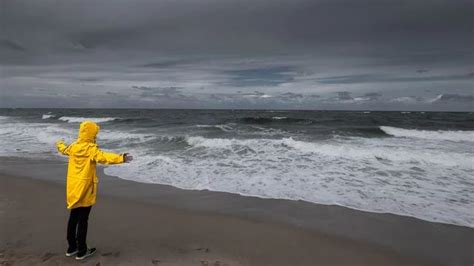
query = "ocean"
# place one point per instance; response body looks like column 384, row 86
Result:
column 418, row 164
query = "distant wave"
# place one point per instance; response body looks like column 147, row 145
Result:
column 199, row 141
column 134, row 120
column 225, row 127
column 47, row 116
column 275, row 119
column 109, row 135
column 366, row 132
column 429, row 134
column 72, row 119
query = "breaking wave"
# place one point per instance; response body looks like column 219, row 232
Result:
column 224, row 127
column 47, row 116
column 72, row 119
column 429, row 134
column 353, row 149
column 275, row 119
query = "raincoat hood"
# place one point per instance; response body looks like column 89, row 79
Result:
column 87, row 132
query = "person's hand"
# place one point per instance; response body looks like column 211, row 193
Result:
column 127, row 158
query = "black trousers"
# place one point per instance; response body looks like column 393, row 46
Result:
column 77, row 228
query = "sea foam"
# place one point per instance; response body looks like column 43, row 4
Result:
column 360, row 173
column 47, row 116
column 430, row 134
column 71, row 119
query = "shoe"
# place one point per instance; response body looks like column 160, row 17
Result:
column 71, row 252
column 89, row 252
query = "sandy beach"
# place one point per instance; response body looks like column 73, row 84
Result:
column 144, row 224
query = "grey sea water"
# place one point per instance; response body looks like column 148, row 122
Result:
column 417, row 164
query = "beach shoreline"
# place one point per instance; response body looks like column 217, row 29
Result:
column 235, row 230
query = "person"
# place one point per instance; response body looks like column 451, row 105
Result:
column 81, row 184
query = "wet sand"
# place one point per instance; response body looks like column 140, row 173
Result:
column 145, row 224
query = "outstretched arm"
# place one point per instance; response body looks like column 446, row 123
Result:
column 107, row 157
column 62, row 148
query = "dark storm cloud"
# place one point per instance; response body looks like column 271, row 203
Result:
column 265, row 76
column 372, row 95
column 89, row 79
column 352, row 27
column 290, row 95
column 160, row 92
column 344, row 95
column 11, row 45
column 237, row 53
column 169, row 63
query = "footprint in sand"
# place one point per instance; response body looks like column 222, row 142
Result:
column 207, row 250
column 114, row 254
column 47, row 256
column 2, row 259
column 216, row 263
column 5, row 263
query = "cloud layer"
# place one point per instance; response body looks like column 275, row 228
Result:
column 300, row 54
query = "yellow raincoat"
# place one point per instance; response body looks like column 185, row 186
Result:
column 84, row 154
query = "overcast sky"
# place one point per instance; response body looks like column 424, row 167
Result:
column 292, row 54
